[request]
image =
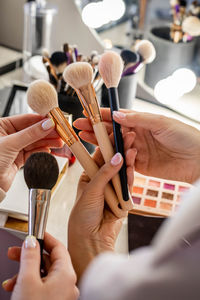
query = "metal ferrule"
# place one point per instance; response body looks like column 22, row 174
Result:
column 63, row 127
column 88, row 99
column 39, row 200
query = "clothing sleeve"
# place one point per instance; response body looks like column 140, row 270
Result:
column 142, row 276
column 2, row 195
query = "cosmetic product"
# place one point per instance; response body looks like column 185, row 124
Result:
column 53, row 78
column 110, row 68
column 40, row 173
column 43, row 99
column 79, row 76
column 155, row 196
column 129, row 56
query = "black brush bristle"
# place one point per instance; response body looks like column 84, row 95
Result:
column 129, row 56
column 41, row 171
column 58, row 58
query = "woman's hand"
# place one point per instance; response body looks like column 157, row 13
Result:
column 92, row 226
column 166, row 147
column 20, row 136
column 60, row 282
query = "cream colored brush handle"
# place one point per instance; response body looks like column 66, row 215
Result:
column 108, row 152
column 91, row 169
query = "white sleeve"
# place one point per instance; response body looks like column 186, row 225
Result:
column 142, row 277
column 2, row 195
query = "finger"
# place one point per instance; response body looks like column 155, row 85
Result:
column 128, row 138
column 88, row 136
column 27, row 136
column 60, row 259
column 30, row 259
column 130, row 155
column 9, row 284
column 130, row 178
column 83, row 124
column 14, row 253
column 145, row 120
column 20, row 122
column 106, row 113
column 97, row 185
column 97, row 157
column 54, row 143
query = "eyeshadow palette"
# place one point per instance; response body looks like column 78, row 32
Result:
column 155, row 196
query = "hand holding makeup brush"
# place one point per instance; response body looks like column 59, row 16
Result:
column 59, row 284
column 20, row 136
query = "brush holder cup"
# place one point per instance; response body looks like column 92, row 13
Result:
column 71, row 105
column 170, row 56
column 126, row 89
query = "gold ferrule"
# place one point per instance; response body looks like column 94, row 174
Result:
column 88, row 99
column 63, row 127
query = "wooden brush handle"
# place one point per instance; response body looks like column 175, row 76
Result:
column 108, row 152
column 91, row 169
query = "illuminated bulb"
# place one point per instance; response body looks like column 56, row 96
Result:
column 116, row 9
column 185, row 78
column 94, row 16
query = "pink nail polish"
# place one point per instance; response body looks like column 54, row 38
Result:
column 30, row 242
column 116, row 159
column 119, row 115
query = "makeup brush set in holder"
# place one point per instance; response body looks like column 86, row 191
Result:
column 176, row 43
column 140, row 54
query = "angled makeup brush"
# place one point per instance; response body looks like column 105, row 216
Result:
column 40, row 174
column 43, row 99
column 110, row 68
column 79, row 76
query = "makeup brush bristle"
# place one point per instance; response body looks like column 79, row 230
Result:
column 146, row 49
column 58, row 58
column 110, row 68
column 78, row 74
column 41, row 171
column 42, row 97
column 191, row 25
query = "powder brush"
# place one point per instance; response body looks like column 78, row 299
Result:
column 191, row 25
column 110, row 68
column 79, row 76
column 40, row 173
column 147, row 53
column 43, row 99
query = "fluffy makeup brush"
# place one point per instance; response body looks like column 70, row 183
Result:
column 147, row 54
column 79, row 76
column 129, row 56
column 110, row 68
column 191, row 25
column 40, row 174
column 42, row 98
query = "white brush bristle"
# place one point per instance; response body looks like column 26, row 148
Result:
column 191, row 25
column 78, row 74
column 146, row 49
column 111, row 67
column 42, row 97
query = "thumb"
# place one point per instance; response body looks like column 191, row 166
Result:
column 29, row 135
column 145, row 120
column 30, row 259
column 97, row 185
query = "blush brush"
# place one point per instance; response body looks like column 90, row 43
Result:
column 43, row 99
column 110, row 69
column 40, row 174
column 79, row 76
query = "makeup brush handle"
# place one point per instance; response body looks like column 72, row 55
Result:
column 42, row 271
column 108, row 152
column 91, row 169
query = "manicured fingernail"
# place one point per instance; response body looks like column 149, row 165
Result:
column 30, row 242
column 49, row 123
column 5, row 282
column 119, row 115
column 116, row 159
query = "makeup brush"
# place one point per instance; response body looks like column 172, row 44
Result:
column 147, row 53
column 110, row 68
column 40, row 173
column 129, row 56
column 51, row 71
column 79, row 76
column 43, row 99
column 191, row 25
